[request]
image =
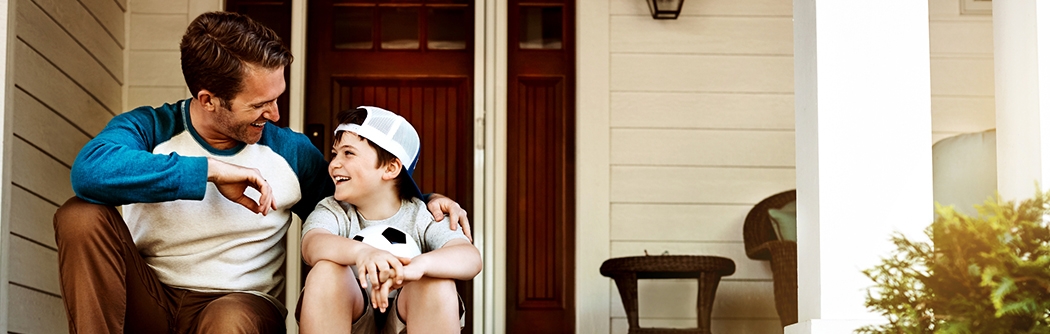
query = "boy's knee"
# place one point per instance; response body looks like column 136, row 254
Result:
column 326, row 273
column 240, row 313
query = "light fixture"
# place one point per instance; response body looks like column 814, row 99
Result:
column 665, row 9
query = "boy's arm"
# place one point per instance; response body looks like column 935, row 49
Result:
column 320, row 244
column 456, row 259
column 372, row 264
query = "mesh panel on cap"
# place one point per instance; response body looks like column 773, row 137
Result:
column 408, row 138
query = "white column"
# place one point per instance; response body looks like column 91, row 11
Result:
column 1022, row 42
column 863, row 156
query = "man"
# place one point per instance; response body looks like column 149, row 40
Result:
column 208, row 185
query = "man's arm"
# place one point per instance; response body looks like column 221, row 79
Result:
column 439, row 205
column 118, row 166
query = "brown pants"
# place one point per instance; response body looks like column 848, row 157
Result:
column 108, row 288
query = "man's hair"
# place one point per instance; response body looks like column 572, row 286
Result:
column 383, row 157
column 217, row 48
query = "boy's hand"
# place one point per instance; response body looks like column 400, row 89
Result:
column 379, row 266
column 439, row 205
column 381, row 293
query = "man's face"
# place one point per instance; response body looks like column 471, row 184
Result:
column 256, row 104
column 353, row 168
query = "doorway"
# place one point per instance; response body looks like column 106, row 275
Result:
column 540, row 167
column 414, row 58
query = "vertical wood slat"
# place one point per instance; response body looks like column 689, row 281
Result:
column 536, row 146
column 425, row 103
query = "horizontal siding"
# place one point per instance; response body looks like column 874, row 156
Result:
column 961, row 37
column 155, row 68
column 702, row 73
column 697, row 185
column 40, row 173
column 31, row 311
column 962, row 70
column 155, row 96
column 702, row 110
column 746, row 269
column 954, row 76
column 160, row 7
column 78, row 22
column 48, row 39
column 27, row 269
column 37, row 124
column 31, row 217
column 674, row 147
column 702, row 35
column 157, row 31
column 677, row 222
column 710, row 8
column 676, row 298
column 110, row 14
column 720, row 326
column 41, row 79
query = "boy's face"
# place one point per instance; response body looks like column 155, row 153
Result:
column 353, row 168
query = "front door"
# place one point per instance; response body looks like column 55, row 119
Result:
column 414, row 58
column 540, row 164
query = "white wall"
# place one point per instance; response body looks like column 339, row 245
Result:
column 69, row 74
column 154, row 71
column 702, row 127
column 961, row 70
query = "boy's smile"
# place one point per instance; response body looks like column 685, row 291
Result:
column 353, row 168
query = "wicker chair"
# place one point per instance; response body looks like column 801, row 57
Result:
column 760, row 242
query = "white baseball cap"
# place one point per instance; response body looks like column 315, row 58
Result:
column 394, row 134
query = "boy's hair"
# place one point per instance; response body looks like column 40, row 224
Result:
column 217, row 48
column 383, row 157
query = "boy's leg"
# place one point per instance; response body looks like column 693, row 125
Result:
column 203, row 312
column 106, row 285
column 330, row 294
column 429, row 305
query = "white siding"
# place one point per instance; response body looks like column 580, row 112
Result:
column 154, row 71
column 962, row 77
column 68, row 81
column 702, row 127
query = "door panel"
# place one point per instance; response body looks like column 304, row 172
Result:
column 540, row 181
column 400, row 55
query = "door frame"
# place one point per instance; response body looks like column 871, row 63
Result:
column 488, row 222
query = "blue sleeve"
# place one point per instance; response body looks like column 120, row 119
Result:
column 118, row 167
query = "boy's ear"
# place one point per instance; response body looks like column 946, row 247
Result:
column 392, row 169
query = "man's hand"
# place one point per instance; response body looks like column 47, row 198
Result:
column 439, row 205
column 232, row 180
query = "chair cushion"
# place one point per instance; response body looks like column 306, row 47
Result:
column 783, row 220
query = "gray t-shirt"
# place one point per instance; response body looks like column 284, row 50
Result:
column 342, row 219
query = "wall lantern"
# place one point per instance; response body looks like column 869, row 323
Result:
column 665, row 9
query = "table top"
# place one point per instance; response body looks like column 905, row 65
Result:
column 668, row 266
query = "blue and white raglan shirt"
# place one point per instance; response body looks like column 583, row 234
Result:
column 152, row 161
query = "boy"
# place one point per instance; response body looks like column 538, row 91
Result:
column 373, row 185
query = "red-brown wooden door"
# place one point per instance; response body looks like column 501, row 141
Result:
column 540, row 192
column 412, row 57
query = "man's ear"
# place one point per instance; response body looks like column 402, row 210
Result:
column 392, row 169
column 208, row 100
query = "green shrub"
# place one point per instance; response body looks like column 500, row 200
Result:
column 984, row 274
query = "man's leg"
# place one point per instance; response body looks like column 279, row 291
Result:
column 331, row 293
column 429, row 305
column 103, row 276
column 201, row 312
